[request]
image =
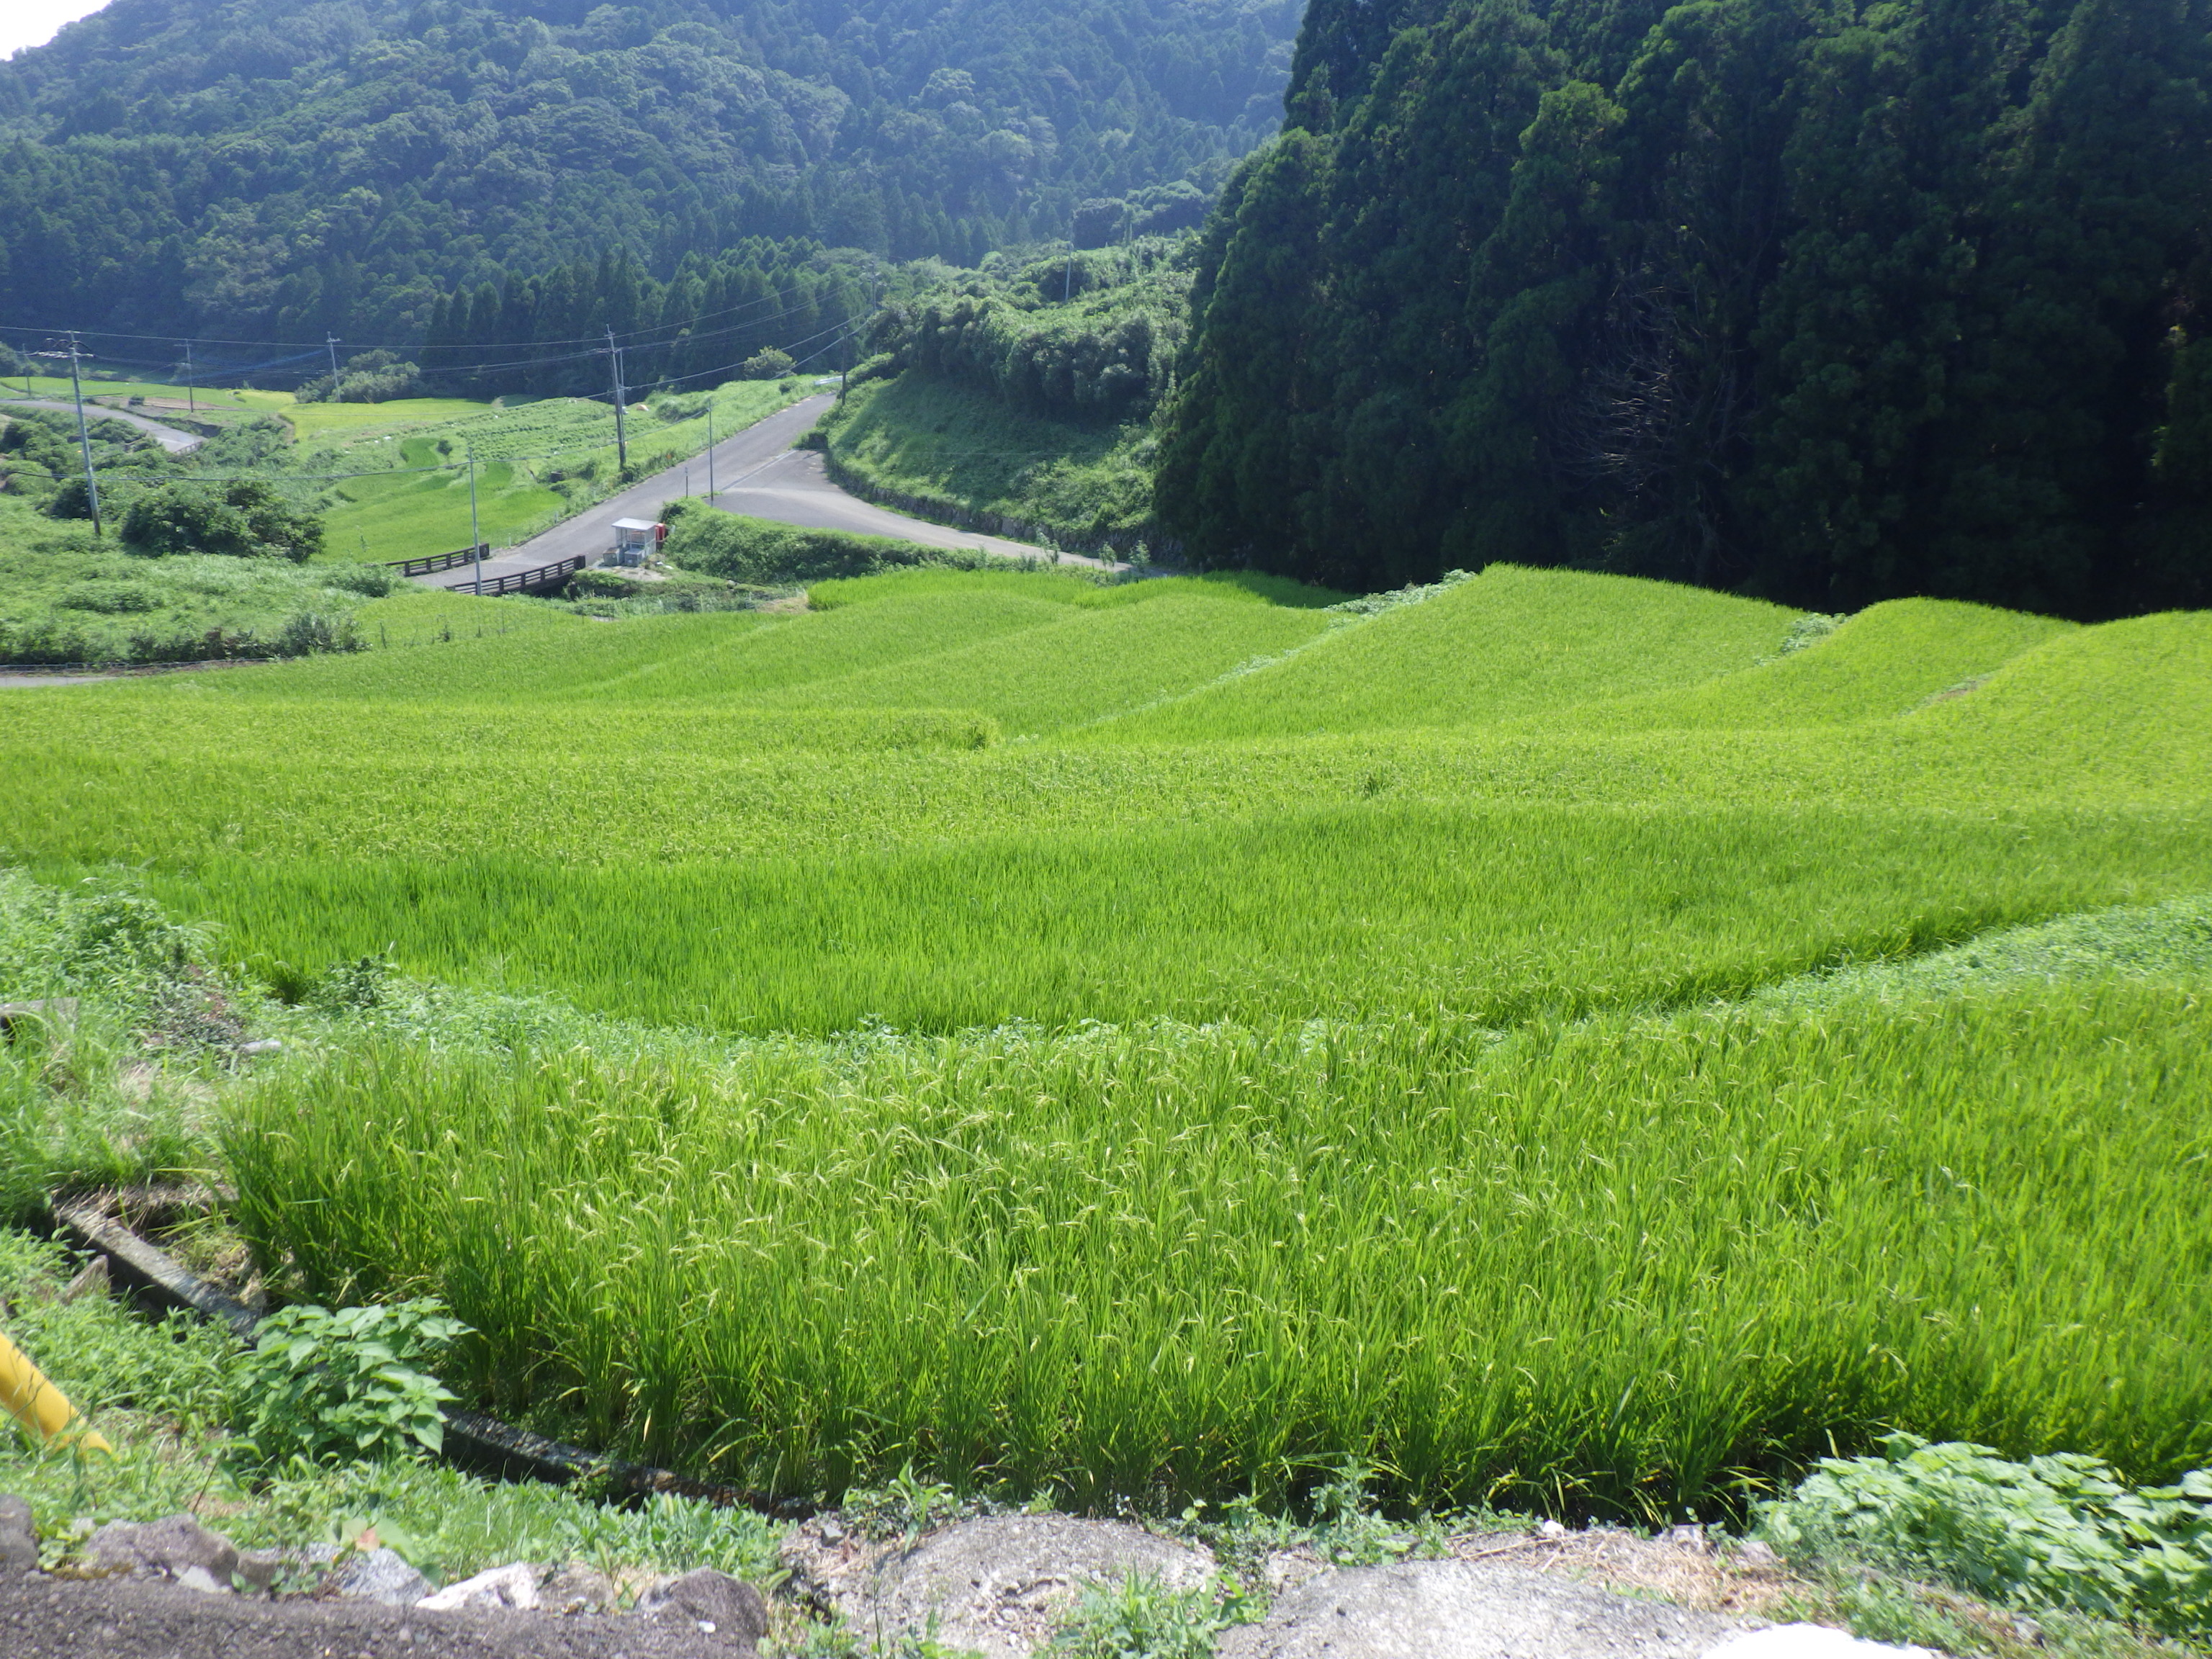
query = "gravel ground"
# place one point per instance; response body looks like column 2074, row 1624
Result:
column 43, row 1617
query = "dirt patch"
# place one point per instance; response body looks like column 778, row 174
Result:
column 43, row 1617
column 1683, row 1567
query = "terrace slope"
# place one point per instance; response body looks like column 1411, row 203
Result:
column 1509, row 642
column 1887, row 660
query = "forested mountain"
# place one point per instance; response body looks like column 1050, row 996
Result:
column 1830, row 301
column 245, row 166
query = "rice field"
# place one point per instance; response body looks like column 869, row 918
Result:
column 1544, row 1038
column 1637, row 1266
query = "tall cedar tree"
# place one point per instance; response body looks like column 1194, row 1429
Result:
column 1826, row 302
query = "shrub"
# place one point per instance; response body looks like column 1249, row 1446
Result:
column 768, row 365
column 372, row 582
column 373, row 377
column 244, row 520
column 1140, row 1618
column 763, row 555
column 2055, row 1532
column 343, row 1387
column 107, row 598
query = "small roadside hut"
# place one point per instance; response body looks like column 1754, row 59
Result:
column 636, row 540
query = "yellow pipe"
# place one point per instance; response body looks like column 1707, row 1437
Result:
column 37, row 1405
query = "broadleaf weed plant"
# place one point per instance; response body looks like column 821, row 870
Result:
column 350, row 1385
column 1142, row 1617
column 2060, row 1532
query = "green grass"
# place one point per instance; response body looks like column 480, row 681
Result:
column 66, row 600
column 409, row 515
column 1069, row 586
column 1626, row 1266
column 1558, row 1043
column 1888, row 660
column 539, row 460
column 205, row 398
column 955, row 451
column 1509, row 643
column 1499, row 914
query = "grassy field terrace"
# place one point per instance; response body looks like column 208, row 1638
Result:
column 1554, row 1037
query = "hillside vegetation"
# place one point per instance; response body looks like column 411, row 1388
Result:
column 348, row 166
column 1833, row 304
column 1551, row 1036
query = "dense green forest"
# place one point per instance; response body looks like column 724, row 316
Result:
column 700, row 325
column 251, row 168
column 1830, row 302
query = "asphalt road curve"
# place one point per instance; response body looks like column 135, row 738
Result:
column 176, row 442
column 756, row 473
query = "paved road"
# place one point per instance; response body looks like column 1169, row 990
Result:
column 795, row 489
column 176, row 442
column 756, row 473
column 590, row 533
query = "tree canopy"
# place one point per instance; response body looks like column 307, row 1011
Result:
column 1831, row 302
column 251, row 168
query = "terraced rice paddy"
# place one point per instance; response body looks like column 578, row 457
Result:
column 1168, row 1039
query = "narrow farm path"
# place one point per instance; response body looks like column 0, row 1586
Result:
column 170, row 438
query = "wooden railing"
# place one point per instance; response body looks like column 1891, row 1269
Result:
column 546, row 575
column 437, row 561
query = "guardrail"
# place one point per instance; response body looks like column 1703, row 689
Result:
column 546, row 575
column 437, row 561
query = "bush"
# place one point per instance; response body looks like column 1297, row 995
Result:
column 2058, row 1532
column 1140, row 1618
column 759, row 554
column 344, row 1386
column 244, row 520
column 768, row 365
column 107, row 598
column 372, row 582
column 373, row 377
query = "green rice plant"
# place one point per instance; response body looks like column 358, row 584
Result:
column 1092, row 662
column 1074, row 584
column 1498, row 914
column 2169, row 940
column 1508, row 644
column 1628, row 1265
column 1887, row 661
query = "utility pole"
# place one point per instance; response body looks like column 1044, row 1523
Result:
column 621, row 437
column 710, row 446
column 190, row 406
column 476, row 535
column 331, row 341
column 83, row 434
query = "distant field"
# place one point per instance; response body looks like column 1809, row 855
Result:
column 50, row 385
column 1483, row 1035
column 522, row 449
